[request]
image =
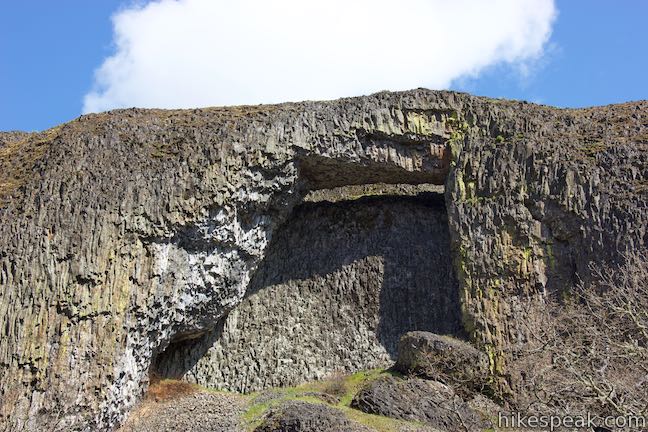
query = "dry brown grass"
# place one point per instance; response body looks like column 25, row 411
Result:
column 336, row 384
column 17, row 159
column 162, row 390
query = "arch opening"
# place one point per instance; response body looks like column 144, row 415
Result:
column 351, row 270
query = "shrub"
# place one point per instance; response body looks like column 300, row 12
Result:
column 591, row 353
column 336, row 384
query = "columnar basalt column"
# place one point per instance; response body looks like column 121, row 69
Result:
column 124, row 231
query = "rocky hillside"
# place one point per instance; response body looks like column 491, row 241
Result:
column 408, row 398
column 131, row 237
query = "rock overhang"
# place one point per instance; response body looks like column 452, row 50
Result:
column 344, row 277
column 155, row 221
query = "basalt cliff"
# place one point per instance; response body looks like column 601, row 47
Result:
column 245, row 248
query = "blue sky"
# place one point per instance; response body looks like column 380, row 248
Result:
column 597, row 54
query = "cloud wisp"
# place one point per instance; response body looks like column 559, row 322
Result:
column 196, row 53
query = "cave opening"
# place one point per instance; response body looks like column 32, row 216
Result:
column 357, row 264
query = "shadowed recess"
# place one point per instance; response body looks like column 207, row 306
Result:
column 340, row 284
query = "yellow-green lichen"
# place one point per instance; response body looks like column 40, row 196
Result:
column 422, row 124
column 458, row 129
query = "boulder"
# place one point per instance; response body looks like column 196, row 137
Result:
column 296, row 416
column 415, row 399
column 442, row 358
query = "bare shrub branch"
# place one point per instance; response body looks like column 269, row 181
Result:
column 590, row 352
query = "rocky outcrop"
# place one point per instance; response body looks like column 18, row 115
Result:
column 201, row 411
column 534, row 202
column 12, row 136
column 441, row 385
column 124, row 232
column 299, row 416
column 340, row 283
column 443, row 358
column 430, row 402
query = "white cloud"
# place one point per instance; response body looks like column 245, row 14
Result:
column 194, row 53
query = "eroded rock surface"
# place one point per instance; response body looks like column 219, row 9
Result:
column 307, row 417
column 339, row 285
column 442, row 358
column 124, row 232
column 430, row 402
column 208, row 412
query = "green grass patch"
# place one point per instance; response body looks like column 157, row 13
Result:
column 345, row 387
column 377, row 422
column 350, row 384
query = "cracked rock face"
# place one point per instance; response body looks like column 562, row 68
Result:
column 308, row 417
column 124, row 232
column 430, row 402
column 339, row 285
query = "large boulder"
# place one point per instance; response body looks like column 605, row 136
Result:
column 442, row 358
column 430, row 402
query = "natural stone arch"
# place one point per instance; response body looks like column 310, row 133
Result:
column 91, row 277
column 338, row 286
